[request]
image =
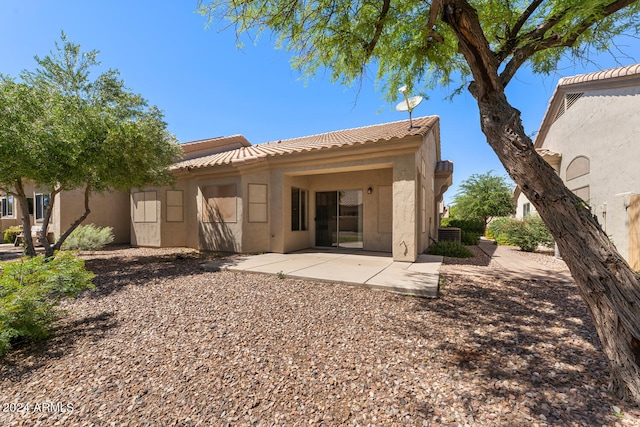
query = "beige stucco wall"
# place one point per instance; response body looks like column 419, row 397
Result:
column 221, row 236
column 107, row 210
column 398, row 217
column 425, row 160
column 256, row 235
column 603, row 126
column 147, row 233
column 520, row 202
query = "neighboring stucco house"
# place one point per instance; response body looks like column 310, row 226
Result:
column 377, row 187
column 591, row 136
column 109, row 209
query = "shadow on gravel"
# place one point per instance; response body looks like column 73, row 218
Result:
column 112, row 274
column 533, row 341
column 27, row 357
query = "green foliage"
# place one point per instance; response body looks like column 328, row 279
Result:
column 30, row 291
column 63, row 128
column 11, row 233
column 483, row 196
column 470, row 238
column 405, row 42
column 495, row 230
column 88, row 238
column 469, row 225
column 528, row 233
column 450, row 249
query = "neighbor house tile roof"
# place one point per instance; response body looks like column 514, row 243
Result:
column 628, row 71
column 331, row 140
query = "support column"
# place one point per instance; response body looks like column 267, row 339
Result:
column 405, row 231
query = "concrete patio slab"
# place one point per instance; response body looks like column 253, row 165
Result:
column 373, row 270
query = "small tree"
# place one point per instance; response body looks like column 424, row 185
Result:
column 483, row 197
column 72, row 131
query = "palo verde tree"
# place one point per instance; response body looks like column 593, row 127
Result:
column 72, row 131
column 483, row 43
column 484, row 196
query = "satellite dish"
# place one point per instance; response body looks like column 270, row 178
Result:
column 408, row 105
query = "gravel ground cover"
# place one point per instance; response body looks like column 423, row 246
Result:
column 160, row 343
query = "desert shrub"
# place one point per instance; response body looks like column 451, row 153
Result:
column 11, row 233
column 528, row 234
column 470, row 225
column 450, row 249
column 495, row 230
column 470, row 238
column 88, row 238
column 30, row 291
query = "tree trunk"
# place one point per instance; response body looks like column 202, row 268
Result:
column 76, row 223
column 608, row 285
column 30, row 250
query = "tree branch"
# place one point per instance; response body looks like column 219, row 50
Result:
column 434, row 12
column 379, row 27
column 463, row 19
column 512, row 34
column 538, row 44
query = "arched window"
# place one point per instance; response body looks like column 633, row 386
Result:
column 578, row 167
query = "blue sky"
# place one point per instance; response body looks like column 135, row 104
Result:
column 207, row 87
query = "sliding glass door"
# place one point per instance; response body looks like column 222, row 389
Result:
column 339, row 218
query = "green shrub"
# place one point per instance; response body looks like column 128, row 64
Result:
column 450, row 249
column 528, row 234
column 11, row 233
column 471, row 225
column 495, row 230
column 30, row 291
column 88, row 238
column 470, row 238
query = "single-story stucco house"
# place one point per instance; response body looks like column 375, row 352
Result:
column 590, row 135
column 377, row 187
column 107, row 210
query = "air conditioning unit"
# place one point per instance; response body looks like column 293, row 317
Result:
column 449, row 234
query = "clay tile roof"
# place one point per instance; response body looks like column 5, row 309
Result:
column 325, row 141
column 630, row 70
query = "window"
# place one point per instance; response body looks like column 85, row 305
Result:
column 144, row 206
column 526, row 210
column 257, row 202
column 299, row 202
column 41, row 202
column 7, row 207
column 579, row 166
column 219, row 203
column 174, row 206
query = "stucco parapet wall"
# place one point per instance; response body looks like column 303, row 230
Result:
column 364, row 136
column 606, row 79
